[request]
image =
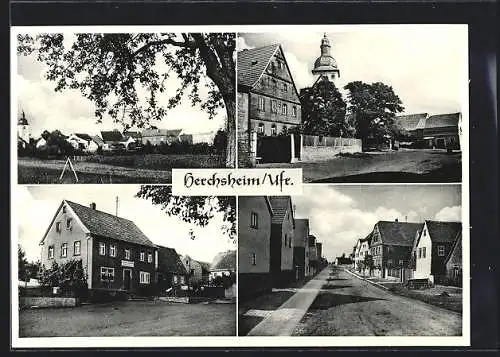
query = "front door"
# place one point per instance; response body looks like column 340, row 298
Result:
column 127, row 279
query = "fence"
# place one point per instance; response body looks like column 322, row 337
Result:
column 317, row 148
column 328, row 141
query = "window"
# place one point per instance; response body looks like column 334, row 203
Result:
column 260, row 128
column 69, row 222
column 76, row 248
column 58, row 227
column 284, row 109
column 183, row 280
column 389, row 261
column 150, row 258
column 142, row 256
column 401, row 262
column 274, row 130
column 294, row 111
column 102, row 248
column 285, row 87
column 112, row 250
column 286, row 241
column 423, row 252
column 64, row 250
column 51, row 252
column 441, row 250
column 144, row 277
column 127, row 254
column 419, row 253
column 254, row 220
column 254, row 259
column 174, row 279
column 64, row 209
column 280, row 65
column 274, row 106
column 275, row 84
column 107, row 274
column 262, row 104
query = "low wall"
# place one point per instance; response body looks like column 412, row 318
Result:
column 318, row 153
column 179, row 299
column 48, row 302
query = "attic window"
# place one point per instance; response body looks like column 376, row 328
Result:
column 69, row 222
column 254, row 62
column 64, row 209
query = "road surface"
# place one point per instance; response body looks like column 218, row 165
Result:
column 348, row 306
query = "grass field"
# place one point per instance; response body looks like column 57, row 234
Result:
column 153, row 168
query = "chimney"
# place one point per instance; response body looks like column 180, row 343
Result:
column 116, row 212
column 92, row 205
column 406, row 218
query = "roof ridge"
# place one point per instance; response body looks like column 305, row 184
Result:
column 89, row 208
column 260, row 47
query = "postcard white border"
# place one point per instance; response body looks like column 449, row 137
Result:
column 241, row 341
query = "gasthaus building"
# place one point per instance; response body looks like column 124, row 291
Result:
column 116, row 255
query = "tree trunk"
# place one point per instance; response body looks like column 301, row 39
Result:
column 231, row 132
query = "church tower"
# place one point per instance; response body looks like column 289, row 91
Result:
column 325, row 66
column 23, row 131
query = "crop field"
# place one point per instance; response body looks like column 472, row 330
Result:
column 154, row 168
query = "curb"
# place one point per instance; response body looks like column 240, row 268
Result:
column 371, row 282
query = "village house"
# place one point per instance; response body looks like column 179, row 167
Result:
column 343, row 260
column 313, row 257
column 224, row 264
column 134, row 139
column 441, row 131
column 254, row 245
column 115, row 253
column 165, row 136
column 361, row 252
column 454, row 263
column 267, row 99
column 282, row 227
column 433, row 247
column 391, row 246
column 113, row 140
column 300, row 248
column 83, row 142
column 197, row 271
column 171, row 273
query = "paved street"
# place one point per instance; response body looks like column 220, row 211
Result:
column 405, row 165
column 282, row 321
column 130, row 318
column 348, row 306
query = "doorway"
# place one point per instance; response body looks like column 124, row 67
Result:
column 127, row 279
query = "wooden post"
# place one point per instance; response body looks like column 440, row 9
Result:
column 292, row 149
column 66, row 164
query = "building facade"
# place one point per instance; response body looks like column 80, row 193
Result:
column 171, row 273
column 115, row 254
column 434, row 245
column 254, row 245
column 391, row 246
column 282, row 229
column 300, row 248
column 268, row 101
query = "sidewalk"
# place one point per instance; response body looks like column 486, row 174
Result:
column 282, row 321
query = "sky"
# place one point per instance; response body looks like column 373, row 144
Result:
column 70, row 112
column 340, row 215
column 40, row 203
column 425, row 64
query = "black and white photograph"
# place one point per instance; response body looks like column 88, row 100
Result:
column 370, row 260
column 124, row 260
column 122, row 107
column 355, row 103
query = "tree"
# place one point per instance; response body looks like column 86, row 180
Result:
column 324, row 110
column 368, row 263
column 373, row 107
column 22, row 264
column 220, row 142
column 114, row 70
column 198, row 210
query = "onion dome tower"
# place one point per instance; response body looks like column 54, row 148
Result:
column 325, row 65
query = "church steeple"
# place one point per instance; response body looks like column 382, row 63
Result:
column 325, row 65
